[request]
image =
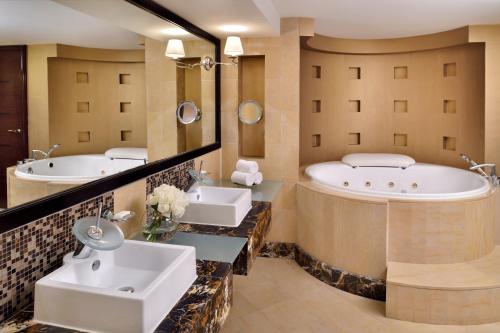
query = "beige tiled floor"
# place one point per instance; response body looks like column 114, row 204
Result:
column 278, row 296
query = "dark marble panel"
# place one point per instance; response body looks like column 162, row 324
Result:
column 202, row 309
column 341, row 279
column 278, row 250
column 353, row 283
column 255, row 226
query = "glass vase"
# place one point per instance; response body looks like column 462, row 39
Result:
column 159, row 227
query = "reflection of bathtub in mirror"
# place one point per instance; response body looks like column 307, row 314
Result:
column 40, row 178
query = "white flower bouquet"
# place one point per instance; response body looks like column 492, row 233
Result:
column 166, row 204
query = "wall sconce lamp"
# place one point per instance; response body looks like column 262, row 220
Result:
column 233, row 49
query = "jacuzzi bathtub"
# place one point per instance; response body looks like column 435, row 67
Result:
column 417, row 182
column 74, row 169
column 358, row 218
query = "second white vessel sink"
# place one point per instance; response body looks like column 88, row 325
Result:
column 130, row 289
column 220, row 206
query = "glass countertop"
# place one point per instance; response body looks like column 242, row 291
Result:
column 208, row 247
column 267, row 191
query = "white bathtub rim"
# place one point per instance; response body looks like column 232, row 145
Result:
column 383, row 197
column 60, row 179
column 327, row 190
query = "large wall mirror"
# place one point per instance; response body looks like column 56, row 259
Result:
column 88, row 92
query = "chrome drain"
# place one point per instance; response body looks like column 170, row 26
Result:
column 127, row 289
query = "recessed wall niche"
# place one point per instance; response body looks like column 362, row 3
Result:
column 126, row 135
column 82, row 77
column 125, row 78
column 251, row 83
column 82, row 107
column 316, row 106
column 316, row 72
column 125, row 107
column 449, row 106
column 354, row 73
column 449, row 143
column 450, row 69
column 354, row 105
column 83, row 136
column 401, row 106
column 354, row 139
column 400, row 72
column 316, row 140
column 400, row 140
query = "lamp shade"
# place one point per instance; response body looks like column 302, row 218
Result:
column 175, row 49
column 233, row 46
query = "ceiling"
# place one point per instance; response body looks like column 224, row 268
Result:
column 117, row 24
column 364, row 19
column 390, row 18
column 259, row 16
column 127, row 16
column 43, row 21
column 111, row 24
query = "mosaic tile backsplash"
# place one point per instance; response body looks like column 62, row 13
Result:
column 177, row 176
column 29, row 252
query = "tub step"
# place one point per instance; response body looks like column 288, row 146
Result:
column 464, row 293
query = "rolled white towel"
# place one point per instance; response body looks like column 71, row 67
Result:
column 242, row 178
column 247, row 166
column 257, row 178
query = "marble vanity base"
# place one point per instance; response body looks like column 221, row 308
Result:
column 255, row 226
column 352, row 283
column 203, row 308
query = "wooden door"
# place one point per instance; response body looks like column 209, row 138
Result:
column 13, row 112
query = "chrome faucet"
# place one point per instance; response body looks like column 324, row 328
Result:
column 44, row 154
column 105, row 220
column 199, row 178
column 492, row 177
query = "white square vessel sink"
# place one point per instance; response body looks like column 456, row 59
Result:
column 220, row 206
column 77, row 297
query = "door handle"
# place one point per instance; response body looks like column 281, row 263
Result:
column 17, row 131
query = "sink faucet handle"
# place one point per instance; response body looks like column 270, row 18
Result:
column 118, row 217
column 478, row 166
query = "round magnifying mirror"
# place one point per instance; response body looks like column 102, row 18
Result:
column 188, row 112
column 250, row 112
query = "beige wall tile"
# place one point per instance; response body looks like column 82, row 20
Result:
column 282, row 60
column 131, row 197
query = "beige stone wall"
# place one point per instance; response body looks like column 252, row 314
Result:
column 201, row 48
column 490, row 35
column 281, row 162
column 131, row 197
column 389, row 115
column 161, row 101
column 38, row 94
column 101, row 113
column 212, row 163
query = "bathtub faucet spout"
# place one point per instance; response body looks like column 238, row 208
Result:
column 493, row 172
column 473, row 163
column 43, row 154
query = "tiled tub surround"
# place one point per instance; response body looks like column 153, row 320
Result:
column 202, row 309
column 33, row 250
column 338, row 278
column 255, row 226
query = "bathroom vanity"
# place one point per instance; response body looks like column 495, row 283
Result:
column 220, row 253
